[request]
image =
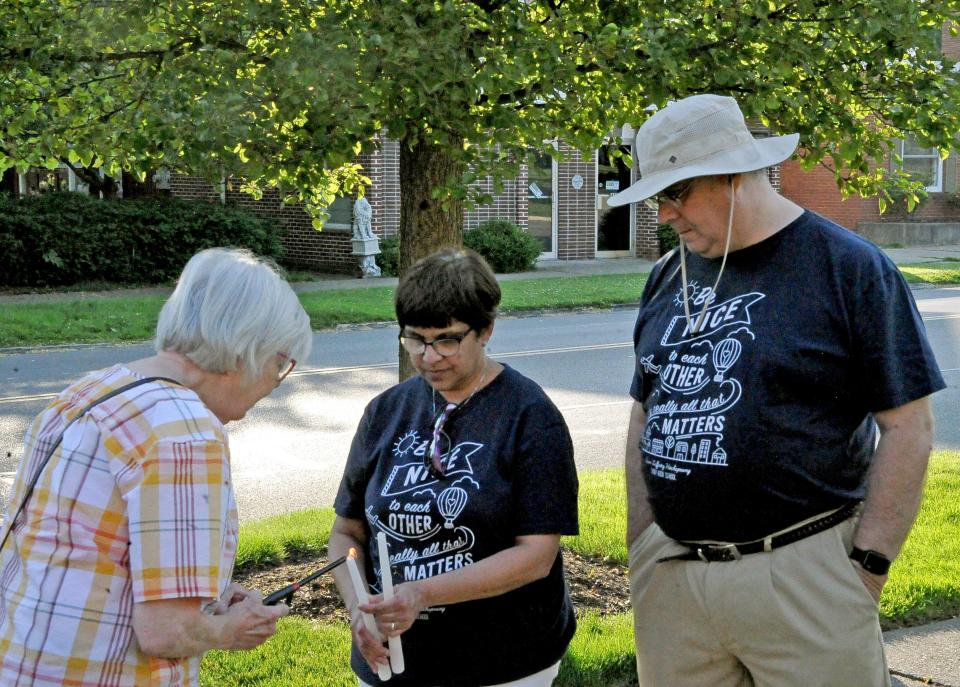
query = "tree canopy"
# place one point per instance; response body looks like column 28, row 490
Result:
column 288, row 92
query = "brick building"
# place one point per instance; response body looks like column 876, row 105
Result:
column 936, row 220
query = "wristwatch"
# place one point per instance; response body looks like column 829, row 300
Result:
column 871, row 561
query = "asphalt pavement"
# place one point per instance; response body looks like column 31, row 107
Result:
column 924, row 655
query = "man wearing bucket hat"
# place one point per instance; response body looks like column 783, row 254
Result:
column 763, row 512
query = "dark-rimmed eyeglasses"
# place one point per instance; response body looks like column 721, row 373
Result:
column 673, row 194
column 286, row 366
column 446, row 346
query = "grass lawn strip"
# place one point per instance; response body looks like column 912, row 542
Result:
column 120, row 320
column 924, row 585
column 936, row 273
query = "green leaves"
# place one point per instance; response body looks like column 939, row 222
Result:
column 289, row 93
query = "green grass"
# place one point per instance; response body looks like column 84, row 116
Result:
column 124, row 319
column 925, row 579
column 273, row 539
column 106, row 320
column 939, row 273
column 924, row 585
column 603, row 516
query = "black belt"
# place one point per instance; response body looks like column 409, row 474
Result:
column 714, row 553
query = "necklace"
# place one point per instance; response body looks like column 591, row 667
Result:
column 483, row 377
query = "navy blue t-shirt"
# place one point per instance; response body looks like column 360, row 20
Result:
column 763, row 419
column 508, row 472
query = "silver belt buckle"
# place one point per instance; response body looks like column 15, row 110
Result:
column 730, row 552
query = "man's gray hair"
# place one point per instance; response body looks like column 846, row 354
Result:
column 232, row 310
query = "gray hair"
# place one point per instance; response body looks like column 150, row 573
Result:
column 233, row 311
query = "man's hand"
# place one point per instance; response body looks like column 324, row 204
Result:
column 873, row 583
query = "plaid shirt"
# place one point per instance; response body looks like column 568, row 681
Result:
column 135, row 505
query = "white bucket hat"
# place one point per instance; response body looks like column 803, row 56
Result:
column 695, row 137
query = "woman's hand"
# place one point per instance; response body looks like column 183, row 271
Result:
column 370, row 647
column 394, row 617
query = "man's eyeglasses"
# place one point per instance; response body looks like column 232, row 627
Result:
column 286, row 366
column 448, row 346
column 673, row 194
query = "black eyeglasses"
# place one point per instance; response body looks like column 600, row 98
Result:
column 673, row 194
column 448, row 345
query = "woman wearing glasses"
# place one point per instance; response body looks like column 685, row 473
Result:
column 467, row 468
column 116, row 568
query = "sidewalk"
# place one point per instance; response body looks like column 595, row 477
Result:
column 925, row 655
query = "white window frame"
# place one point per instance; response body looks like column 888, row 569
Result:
column 937, row 186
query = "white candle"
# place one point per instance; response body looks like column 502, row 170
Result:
column 360, row 589
column 396, row 648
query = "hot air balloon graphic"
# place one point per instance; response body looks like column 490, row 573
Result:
column 451, row 502
column 725, row 354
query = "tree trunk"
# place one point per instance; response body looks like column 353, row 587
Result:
column 426, row 224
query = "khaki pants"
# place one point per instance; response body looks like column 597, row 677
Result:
column 798, row 616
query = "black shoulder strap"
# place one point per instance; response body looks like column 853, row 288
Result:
column 53, row 448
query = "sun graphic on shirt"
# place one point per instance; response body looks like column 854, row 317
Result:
column 692, row 289
column 405, row 443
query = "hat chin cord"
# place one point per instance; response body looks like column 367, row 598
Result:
column 694, row 327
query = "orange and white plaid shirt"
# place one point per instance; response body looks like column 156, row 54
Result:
column 136, row 504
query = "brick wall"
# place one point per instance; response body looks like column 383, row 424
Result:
column 511, row 204
column 328, row 250
column 647, row 244
column 817, row 190
column 576, row 209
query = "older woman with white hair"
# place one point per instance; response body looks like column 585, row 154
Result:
column 116, row 560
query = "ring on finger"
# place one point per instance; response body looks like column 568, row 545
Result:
column 393, row 627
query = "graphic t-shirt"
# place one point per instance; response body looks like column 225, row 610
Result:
column 763, row 417
column 508, row 472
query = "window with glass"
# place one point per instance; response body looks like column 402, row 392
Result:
column 922, row 163
column 341, row 213
column 540, row 199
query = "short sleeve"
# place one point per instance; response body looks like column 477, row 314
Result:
column 178, row 503
column 545, row 484
column 896, row 362
column 349, row 502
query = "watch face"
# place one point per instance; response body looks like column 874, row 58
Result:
column 872, row 562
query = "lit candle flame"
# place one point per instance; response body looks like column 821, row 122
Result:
column 352, row 553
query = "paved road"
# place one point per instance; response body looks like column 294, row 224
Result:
column 289, row 451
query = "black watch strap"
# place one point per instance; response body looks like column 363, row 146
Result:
column 871, row 561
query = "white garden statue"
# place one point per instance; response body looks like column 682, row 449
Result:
column 365, row 243
column 362, row 220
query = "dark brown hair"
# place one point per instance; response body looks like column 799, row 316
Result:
column 451, row 284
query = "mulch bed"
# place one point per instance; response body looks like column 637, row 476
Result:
column 595, row 585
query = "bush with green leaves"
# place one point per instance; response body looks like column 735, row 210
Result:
column 667, row 238
column 58, row 239
column 389, row 258
column 504, row 245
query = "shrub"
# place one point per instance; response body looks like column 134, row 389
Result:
column 503, row 244
column 667, row 238
column 389, row 259
column 57, row 239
